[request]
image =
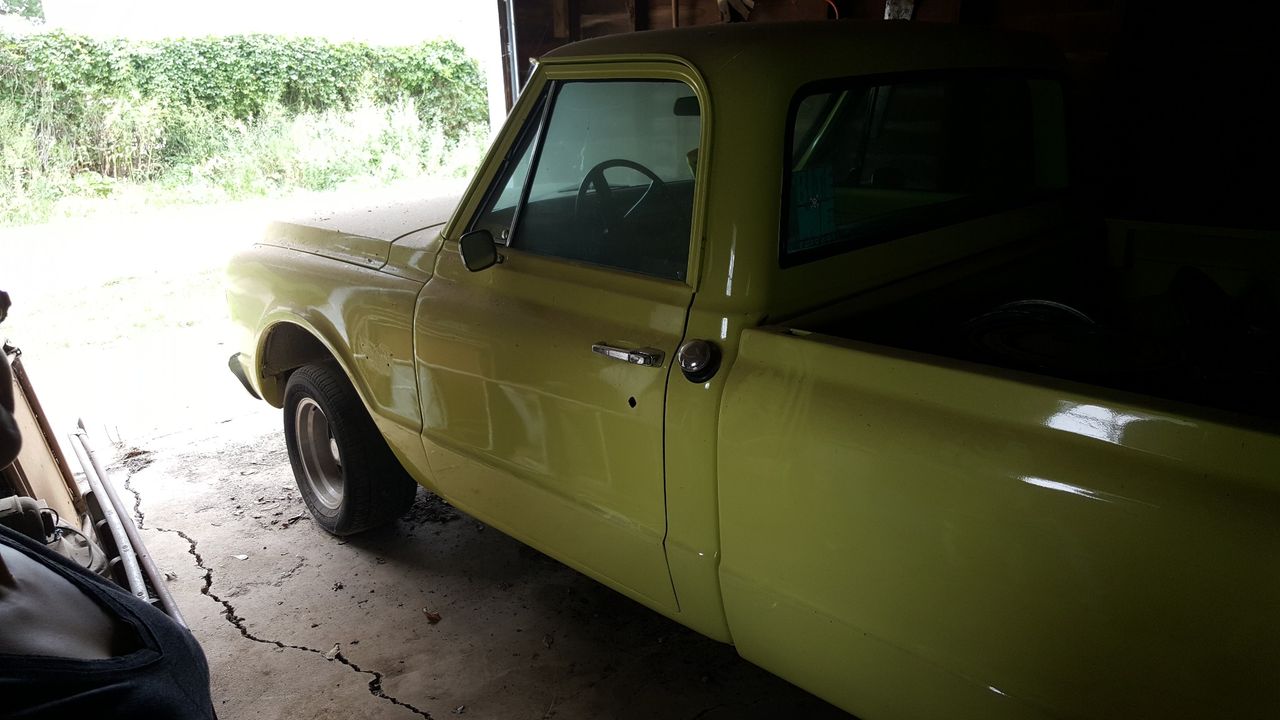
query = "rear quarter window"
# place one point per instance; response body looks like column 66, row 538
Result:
column 868, row 161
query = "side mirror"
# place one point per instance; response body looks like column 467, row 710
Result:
column 479, row 251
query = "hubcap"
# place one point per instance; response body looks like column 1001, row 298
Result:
column 321, row 462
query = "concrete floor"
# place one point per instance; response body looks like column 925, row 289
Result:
column 299, row 624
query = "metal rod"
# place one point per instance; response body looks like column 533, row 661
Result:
column 513, row 54
column 128, row 558
column 135, row 540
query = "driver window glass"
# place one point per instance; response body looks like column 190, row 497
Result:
column 504, row 195
column 614, row 180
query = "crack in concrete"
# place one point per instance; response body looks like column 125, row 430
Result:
column 229, row 611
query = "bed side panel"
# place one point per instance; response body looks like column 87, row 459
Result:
column 896, row 527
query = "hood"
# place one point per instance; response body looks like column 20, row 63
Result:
column 363, row 234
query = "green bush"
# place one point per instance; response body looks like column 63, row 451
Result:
column 240, row 114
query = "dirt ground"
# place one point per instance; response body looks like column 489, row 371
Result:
column 122, row 322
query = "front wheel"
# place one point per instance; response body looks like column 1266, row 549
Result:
column 347, row 475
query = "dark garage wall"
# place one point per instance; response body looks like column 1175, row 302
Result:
column 1170, row 102
column 1083, row 28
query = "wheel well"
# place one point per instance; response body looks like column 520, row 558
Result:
column 287, row 348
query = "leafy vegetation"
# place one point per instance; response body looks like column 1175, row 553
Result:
column 216, row 118
column 33, row 9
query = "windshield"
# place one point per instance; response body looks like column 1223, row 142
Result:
column 869, row 162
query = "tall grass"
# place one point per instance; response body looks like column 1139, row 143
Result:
column 86, row 124
column 213, row 159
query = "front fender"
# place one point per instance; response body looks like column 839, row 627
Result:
column 361, row 318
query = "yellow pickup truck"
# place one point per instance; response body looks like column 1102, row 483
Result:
column 792, row 334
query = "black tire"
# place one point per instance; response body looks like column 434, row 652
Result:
column 358, row 484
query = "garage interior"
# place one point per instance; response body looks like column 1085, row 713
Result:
column 439, row 615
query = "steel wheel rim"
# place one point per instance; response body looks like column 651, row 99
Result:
column 321, row 463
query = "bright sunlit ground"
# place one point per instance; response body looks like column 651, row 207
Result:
column 123, row 318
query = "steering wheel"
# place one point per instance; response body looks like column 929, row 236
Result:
column 613, row 217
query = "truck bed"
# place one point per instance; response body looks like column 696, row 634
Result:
column 1184, row 314
column 908, row 519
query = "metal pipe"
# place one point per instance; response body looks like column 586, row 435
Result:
column 88, row 513
column 128, row 558
column 513, row 54
column 135, row 540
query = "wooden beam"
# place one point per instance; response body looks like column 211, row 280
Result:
column 560, row 19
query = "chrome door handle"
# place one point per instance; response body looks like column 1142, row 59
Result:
column 647, row 356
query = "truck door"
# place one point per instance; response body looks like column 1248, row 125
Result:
column 543, row 379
